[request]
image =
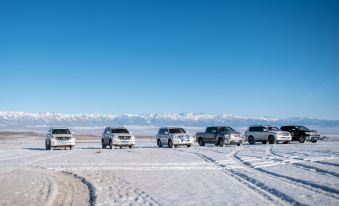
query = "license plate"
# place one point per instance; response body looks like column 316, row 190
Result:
column 124, row 142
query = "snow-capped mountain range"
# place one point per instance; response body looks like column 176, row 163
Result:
column 34, row 121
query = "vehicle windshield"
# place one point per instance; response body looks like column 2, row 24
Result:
column 226, row 129
column 120, row 131
column 273, row 128
column 302, row 128
column 61, row 131
column 176, row 130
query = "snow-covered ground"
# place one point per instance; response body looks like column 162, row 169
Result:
column 293, row 174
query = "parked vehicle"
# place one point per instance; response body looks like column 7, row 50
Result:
column 301, row 133
column 173, row 136
column 117, row 136
column 59, row 137
column 219, row 135
column 264, row 134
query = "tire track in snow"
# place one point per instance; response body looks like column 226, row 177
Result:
column 259, row 188
column 297, row 163
column 319, row 189
column 114, row 190
column 320, row 161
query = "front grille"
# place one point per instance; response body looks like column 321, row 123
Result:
column 124, row 137
column 63, row 138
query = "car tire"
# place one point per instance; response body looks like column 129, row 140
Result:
column 159, row 143
column 302, row 139
column 314, row 141
column 238, row 144
column 110, row 144
column 271, row 139
column 189, row 145
column 220, row 142
column 170, row 144
column 251, row 140
column 264, row 142
column 201, row 142
column 131, row 146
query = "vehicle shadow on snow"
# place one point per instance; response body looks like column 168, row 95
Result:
column 35, row 149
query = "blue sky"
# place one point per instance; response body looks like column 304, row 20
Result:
column 270, row 58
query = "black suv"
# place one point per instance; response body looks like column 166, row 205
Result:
column 301, row 133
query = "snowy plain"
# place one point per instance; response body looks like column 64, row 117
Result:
column 292, row 174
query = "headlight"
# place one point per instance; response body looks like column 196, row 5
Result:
column 308, row 133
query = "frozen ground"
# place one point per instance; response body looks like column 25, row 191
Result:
column 293, row 174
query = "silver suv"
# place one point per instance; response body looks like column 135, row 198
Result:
column 117, row 136
column 59, row 137
column 173, row 136
column 264, row 134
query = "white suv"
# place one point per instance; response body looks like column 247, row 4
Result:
column 117, row 136
column 173, row 136
column 59, row 137
column 264, row 134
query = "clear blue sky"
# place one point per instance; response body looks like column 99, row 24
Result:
column 272, row 58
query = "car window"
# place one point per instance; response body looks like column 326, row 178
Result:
column 214, row 130
column 209, row 130
column 162, row 131
column 61, row 131
column 273, row 128
column 176, row 130
column 120, row 130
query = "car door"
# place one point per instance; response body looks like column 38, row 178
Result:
column 107, row 135
column 256, row 132
column 164, row 136
column 210, row 135
column 264, row 133
column 294, row 133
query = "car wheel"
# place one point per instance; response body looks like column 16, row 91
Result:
column 103, row 144
column 170, row 144
column 110, row 144
column 159, row 143
column 314, row 141
column 189, row 145
column 264, row 142
column 301, row 139
column 131, row 146
column 221, row 142
column 238, row 144
column 271, row 139
column 201, row 142
column 251, row 140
